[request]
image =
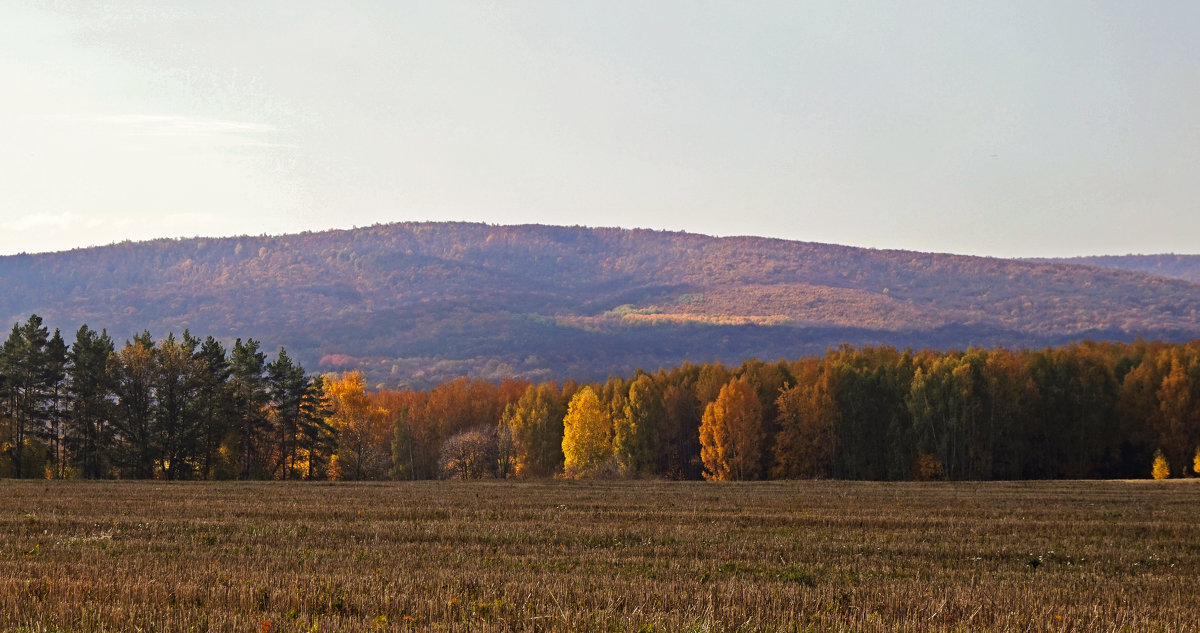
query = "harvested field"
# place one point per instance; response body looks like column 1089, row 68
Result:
column 600, row 556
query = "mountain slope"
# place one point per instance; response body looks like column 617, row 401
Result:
column 1185, row 267
column 414, row 303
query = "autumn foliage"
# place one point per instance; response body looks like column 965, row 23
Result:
column 587, row 434
column 1161, row 469
column 418, row 304
column 364, row 429
column 182, row 408
column 731, row 434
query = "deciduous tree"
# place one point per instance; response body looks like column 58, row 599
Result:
column 635, row 431
column 1180, row 414
column 470, row 454
column 536, row 424
column 731, row 434
column 364, row 430
column 1161, row 469
column 807, row 438
column 134, row 373
column 587, row 434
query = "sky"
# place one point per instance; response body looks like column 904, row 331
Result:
column 1008, row 128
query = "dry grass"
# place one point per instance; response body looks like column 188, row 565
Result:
column 623, row 556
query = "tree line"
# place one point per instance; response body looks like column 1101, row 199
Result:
column 186, row 408
column 1085, row 410
column 177, row 408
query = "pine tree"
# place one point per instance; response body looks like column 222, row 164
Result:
column 248, row 388
column 318, row 438
column 88, row 432
column 214, row 413
column 54, row 377
column 288, row 387
column 27, row 393
column 177, row 382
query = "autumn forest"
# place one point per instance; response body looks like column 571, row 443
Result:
column 182, row 407
column 413, row 305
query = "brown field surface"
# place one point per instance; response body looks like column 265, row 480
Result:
column 600, row 556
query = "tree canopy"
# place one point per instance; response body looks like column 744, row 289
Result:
column 182, row 407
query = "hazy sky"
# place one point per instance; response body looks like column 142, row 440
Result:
column 1000, row 128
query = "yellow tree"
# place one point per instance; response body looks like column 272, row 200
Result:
column 1161, row 469
column 731, row 434
column 364, row 434
column 587, row 433
column 1179, row 416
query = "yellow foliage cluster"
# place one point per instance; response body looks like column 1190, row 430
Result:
column 364, row 428
column 731, row 434
column 1161, row 469
column 587, row 433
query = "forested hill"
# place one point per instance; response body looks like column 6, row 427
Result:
column 1185, row 267
column 415, row 303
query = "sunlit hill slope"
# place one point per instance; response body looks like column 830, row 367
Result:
column 415, row 303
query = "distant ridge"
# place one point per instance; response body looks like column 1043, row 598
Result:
column 415, row 303
column 1185, row 267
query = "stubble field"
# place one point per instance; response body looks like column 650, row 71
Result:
column 600, row 556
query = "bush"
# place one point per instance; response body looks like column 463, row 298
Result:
column 472, row 454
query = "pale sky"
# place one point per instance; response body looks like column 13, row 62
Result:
column 1006, row 128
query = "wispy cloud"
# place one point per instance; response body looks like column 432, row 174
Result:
column 210, row 130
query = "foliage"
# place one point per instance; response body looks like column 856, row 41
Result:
column 183, row 408
column 470, row 454
column 1185, row 267
column 364, row 430
column 136, row 450
column 1161, row 469
column 419, row 304
column 179, row 408
column 536, row 425
column 88, row 434
column 29, row 378
column 806, row 444
column 731, row 434
column 635, row 431
column 587, row 434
